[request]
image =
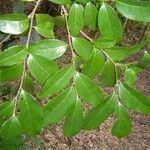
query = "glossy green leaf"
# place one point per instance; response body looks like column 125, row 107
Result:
column 122, row 126
column 41, row 68
column 6, row 110
column 130, row 76
column 108, row 74
column 82, row 47
column 134, row 10
column 90, row 15
column 94, row 65
column 27, row 83
column 61, row 1
column 56, row 108
column 10, row 134
column 13, row 55
column 97, row 115
column 120, row 53
column 50, row 48
column 30, row 116
column 109, row 23
column 11, row 73
column 13, row 23
column 76, row 19
column 104, row 43
column 43, row 18
column 133, row 99
column 45, row 24
column 74, row 118
column 88, row 90
column 45, row 32
column 57, row 81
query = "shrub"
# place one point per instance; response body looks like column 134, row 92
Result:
column 95, row 65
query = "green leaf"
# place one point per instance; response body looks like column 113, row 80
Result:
column 50, row 48
column 104, row 43
column 130, row 76
column 74, row 118
column 41, row 68
column 133, row 99
column 109, row 23
column 88, row 90
column 56, row 108
column 11, row 73
column 6, row 110
column 13, row 23
column 61, row 2
column 45, row 32
column 94, row 65
column 97, row 115
column 108, row 74
column 134, row 10
column 27, row 83
column 145, row 62
column 13, row 56
column 120, row 53
column 75, row 20
column 90, row 16
column 10, row 134
column 43, row 18
column 45, row 24
column 59, row 21
column 82, row 47
column 57, row 81
column 30, row 116
column 123, row 125
column 83, row 1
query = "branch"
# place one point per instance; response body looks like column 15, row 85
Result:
column 31, row 17
column 65, row 14
column 4, row 40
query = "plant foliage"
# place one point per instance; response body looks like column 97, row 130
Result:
column 95, row 64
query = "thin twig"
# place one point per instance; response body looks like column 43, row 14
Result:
column 65, row 14
column 86, row 36
column 4, row 40
column 31, row 16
